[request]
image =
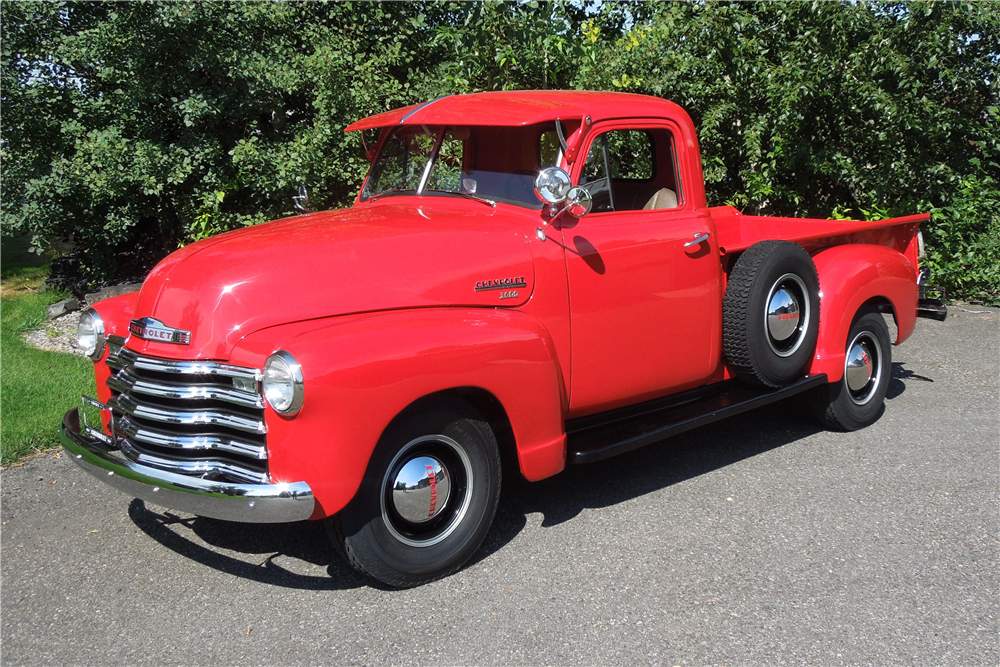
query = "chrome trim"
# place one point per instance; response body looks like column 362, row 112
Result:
column 125, row 381
column 100, row 333
column 191, row 466
column 189, row 443
column 150, row 328
column 864, row 344
column 465, row 499
column 421, row 489
column 298, row 392
column 697, row 240
column 803, row 327
column 250, row 503
column 425, row 104
column 211, row 368
column 129, row 406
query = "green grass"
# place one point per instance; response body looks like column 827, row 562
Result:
column 36, row 387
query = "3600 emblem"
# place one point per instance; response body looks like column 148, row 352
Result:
column 508, row 295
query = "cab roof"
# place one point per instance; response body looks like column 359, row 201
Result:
column 522, row 107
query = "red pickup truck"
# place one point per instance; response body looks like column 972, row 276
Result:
column 526, row 280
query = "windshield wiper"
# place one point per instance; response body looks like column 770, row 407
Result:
column 388, row 192
column 468, row 195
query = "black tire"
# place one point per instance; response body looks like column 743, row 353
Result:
column 771, row 351
column 373, row 533
column 840, row 406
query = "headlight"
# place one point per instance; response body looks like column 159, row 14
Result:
column 90, row 334
column 283, row 387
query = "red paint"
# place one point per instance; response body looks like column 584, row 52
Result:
column 389, row 301
column 434, row 491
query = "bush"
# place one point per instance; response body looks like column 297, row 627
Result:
column 132, row 128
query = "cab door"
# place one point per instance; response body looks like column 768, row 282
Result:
column 644, row 274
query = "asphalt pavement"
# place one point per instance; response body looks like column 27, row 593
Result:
column 760, row 540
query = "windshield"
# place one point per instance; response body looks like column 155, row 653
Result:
column 492, row 163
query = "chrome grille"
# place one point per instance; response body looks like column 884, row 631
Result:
column 188, row 417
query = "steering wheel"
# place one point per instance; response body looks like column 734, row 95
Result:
column 519, row 188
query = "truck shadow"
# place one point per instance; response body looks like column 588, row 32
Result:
column 304, row 541
column 261, row 548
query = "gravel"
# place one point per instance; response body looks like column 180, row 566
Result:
column 759, row 540
column 58, row 335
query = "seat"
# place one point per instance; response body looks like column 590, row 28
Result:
column 663, row 198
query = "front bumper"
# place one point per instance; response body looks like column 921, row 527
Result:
column 249, row 503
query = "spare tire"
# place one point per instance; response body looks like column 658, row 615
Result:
column 770, row 313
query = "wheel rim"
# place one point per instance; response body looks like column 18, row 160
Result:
column 426, row 490
column 786, row 315
column 863, row 367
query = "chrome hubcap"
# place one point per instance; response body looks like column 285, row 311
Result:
column 426, row 490
column 863, row 367
column 421, row 489
column 786, row 318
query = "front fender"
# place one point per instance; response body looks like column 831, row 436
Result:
column 360, row 372
column 850, row 275
column 116, row 313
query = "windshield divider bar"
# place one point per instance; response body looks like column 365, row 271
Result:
column 430, row 163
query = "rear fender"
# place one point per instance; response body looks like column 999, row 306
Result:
column 849, row 276
column 361, row 372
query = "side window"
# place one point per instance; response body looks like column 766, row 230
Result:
column 631, row 153
column 641, row 167
column 595, row 175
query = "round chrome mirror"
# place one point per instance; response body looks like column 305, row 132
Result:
column 552, row 185
column 579, row 201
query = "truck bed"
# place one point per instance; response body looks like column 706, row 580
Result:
column 738, row 232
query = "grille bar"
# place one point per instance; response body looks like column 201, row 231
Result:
column 130, row 406
column 197, row 466
column 125, row 381
column 188, row 443
column 126, row 357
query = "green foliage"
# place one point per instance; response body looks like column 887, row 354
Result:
column 37, row 386
column 834, row 109
column 131, row 128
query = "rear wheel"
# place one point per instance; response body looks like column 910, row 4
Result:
column 427, row 500
column 857, row 399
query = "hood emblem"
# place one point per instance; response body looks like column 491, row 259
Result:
column 500, row 283
column 148, row 328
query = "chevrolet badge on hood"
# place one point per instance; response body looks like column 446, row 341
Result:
column 148, row 328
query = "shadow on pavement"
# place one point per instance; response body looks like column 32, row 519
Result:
column 896, row 384
column 304, row 540
column 558, row 499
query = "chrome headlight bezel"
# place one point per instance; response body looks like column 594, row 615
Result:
column 282, row 384
column 96, row 335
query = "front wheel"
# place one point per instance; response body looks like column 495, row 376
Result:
column 427, row 499
column 857, row 399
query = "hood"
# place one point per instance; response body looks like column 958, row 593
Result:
column 385, row 255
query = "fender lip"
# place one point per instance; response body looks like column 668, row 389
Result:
column 247, row 503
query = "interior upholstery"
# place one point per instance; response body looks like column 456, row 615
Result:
column 663, row 198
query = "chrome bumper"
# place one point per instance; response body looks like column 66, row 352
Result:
column 250, row 503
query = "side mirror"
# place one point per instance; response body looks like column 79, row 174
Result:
column 552, row 185
column 301, row 200
column 579, row 202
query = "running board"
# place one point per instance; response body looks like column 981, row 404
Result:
column 601, row 436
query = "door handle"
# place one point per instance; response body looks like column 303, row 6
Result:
column 698, row 238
